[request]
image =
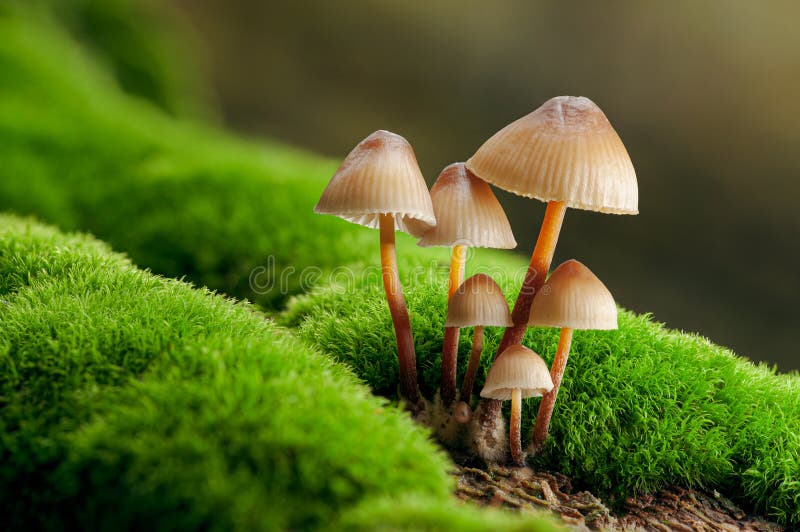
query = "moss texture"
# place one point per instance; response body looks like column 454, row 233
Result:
column 639, row 407
column 130, row 400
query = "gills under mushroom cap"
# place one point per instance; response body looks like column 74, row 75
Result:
column 574, row 297
column 566, row 150
column 478, row 301
column 467, row 212
column 517, row 367
column 380, row 176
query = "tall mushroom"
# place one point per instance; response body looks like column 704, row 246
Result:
column 516, row 374
column 572, row 298
column 565, row 153
column 379, row 185
column 478, row 302
column 467, row 214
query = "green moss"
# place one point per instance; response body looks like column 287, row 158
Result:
column 639, row 408
column 416, row 513
column 129, row 400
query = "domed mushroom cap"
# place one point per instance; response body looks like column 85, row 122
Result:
column 467, row 212
column 566, row 150
column 517, row 367
column 380, row 176
column 478, row 301
column 574, row 297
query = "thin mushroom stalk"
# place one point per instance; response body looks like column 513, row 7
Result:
column 542, row 426
column 472, row 366
column 451, row 334
column 514, row 428
column 541, row 259
column 409, row 387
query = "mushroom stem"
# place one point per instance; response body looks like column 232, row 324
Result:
column 451, row 334
column 397, row 307
column 542, row 426
column 474, row 362
column 537, row 273
column 514, row 427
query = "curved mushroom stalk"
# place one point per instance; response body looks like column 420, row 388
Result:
column 542, row 427
column 406, row 355
column 451, row 334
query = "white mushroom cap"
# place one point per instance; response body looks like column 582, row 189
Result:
column 566, row 150
column 574, row 297
column 478, row 301
column 467, row 212
column 517, row 367
column 380, row 176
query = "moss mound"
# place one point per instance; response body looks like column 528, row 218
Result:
column 640, row 408
column 128, row 400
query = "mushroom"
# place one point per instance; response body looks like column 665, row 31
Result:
column 379, row 185
column 516, row 374
column 572, row 298
column 478, row 302
column 567, row 154
column 467, row 214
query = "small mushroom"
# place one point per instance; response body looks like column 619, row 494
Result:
column 565, row 153
column 467, row 214
column 572, row 298
column 478, row 302
column 379, row 185
column 516, row 374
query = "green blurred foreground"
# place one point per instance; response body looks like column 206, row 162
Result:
column 129, row 400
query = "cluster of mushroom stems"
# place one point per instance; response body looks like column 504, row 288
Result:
column 565, row 153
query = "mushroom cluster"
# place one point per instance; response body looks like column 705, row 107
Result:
column 565, row 153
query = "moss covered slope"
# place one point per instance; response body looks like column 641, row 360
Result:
column 128, row 400
column 639, row 408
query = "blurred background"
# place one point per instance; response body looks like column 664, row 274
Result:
column 703, row 94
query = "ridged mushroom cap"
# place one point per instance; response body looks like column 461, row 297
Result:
column 467, row 212
column 380, row 176
column 566, row 150
column 517, row 367
column 574, row 297
column 478, row 301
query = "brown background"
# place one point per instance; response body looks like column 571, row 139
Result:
column 704, row 95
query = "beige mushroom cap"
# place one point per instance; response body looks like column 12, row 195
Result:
column 566, row 150
column 380, row 176
column 517, row 367
column 467, row 212
column 574, row 297
column 478, row 301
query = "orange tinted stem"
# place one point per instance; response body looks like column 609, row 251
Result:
column 397, row 308
column 514, row 428
column 447, row 383
column 537, row 273
column 534, row 279
column 542, row 426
